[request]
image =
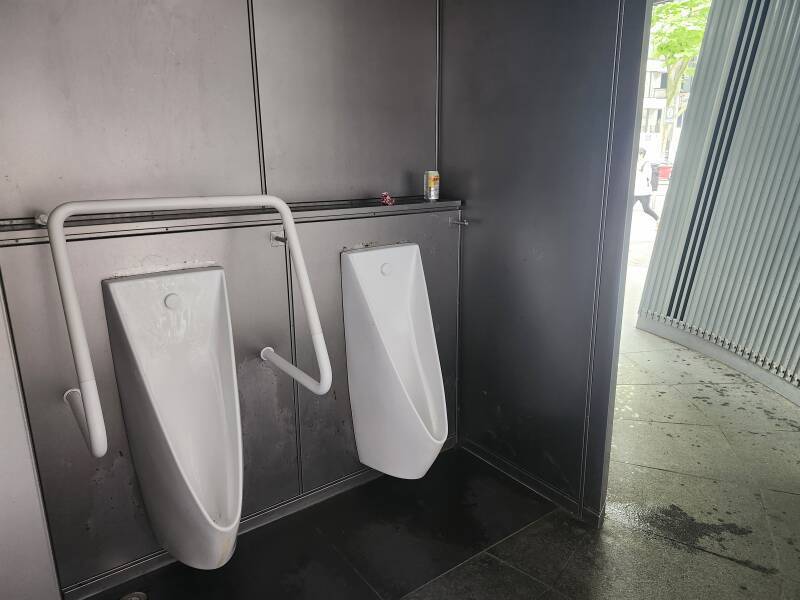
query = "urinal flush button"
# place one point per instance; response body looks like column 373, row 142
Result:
column 386, row 269
column 172, row 301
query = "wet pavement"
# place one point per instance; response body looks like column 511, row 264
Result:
column 703, row 458
column 708, row 460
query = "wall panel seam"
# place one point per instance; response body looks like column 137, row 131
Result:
column 256, row 95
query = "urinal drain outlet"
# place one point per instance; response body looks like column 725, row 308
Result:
column 134, row 596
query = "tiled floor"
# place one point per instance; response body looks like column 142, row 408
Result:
column 382, row 540
column 708, row 460
column 703, row 458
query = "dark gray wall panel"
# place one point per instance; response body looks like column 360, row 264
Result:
column 124, row 99
column 27, row 570
column 348, row 96
column 526, row 99
column 633, row 56
column 328, row 449
column 96, row 517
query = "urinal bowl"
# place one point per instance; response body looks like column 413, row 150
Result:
column 173, row 357
column 394, row 376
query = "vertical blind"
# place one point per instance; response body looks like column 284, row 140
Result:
column 726, row 262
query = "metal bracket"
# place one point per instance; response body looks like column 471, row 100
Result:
column 277, row 238
column 458, row 222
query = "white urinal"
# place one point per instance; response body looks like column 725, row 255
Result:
column 173, row 356
column 396, row 390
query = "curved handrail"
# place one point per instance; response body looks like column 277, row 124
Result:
column 85, row 402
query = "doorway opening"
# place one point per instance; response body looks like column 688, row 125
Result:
column 705, row 449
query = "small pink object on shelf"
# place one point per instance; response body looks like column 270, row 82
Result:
column 386, row 199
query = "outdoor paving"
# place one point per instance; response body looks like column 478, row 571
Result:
column 712, row 467
column 705, row 458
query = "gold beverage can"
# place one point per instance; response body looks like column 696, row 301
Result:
column 431, row 185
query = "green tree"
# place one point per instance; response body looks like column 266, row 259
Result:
column 676, row 33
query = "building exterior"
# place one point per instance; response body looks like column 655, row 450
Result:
column 657, row 116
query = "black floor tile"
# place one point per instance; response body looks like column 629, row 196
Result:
column 285, row 560
column 482, row 578
column 544, row 548
column 388, row 537
column 554, row 595
column 401, row 534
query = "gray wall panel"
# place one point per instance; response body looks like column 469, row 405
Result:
column 527, row 152
column 348, row 96
column 148, row 98
column 326, row 429
column 124, row 99
column 27, row 570
column 93, row 506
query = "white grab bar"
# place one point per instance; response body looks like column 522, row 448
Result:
column 85, row 402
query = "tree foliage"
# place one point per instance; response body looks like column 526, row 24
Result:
column 676, row 33
column 677, row 30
